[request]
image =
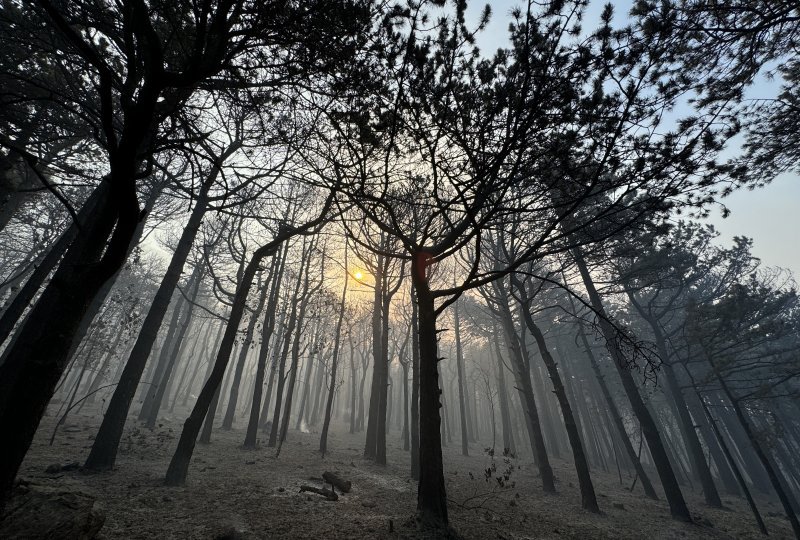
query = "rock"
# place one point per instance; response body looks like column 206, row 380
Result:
column 42, row 512
column 619, row 506
column 368, row 504
column 57, row 467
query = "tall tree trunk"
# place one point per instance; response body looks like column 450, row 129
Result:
column 772, row 472
column 693, row 446
column 233, row 396
column 505, row 416
column 616, row 417
column 323, row 439
column 353, row 385
column 405, row 432
column 371, row 443
column 38, row 355
column 104, row 449
column 672, row 490
column 267, row 329
column 431, row 494
column 462, row 402
column 163, row 385
column 522, row 374
column 588, row 497
column 179, row 465
column 414, row 386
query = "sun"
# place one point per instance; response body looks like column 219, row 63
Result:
column 358, row 275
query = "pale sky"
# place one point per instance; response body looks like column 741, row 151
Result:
column 770, row 215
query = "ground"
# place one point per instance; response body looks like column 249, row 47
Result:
column 254, row 494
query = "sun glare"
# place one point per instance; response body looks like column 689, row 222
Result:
column 358, row 275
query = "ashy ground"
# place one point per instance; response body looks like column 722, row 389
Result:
column 237, row 493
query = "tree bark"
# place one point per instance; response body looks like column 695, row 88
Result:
column 616, row 418
column 323, row 439
column 233, row 396
column 104, row 449
column 672, row 490
column 267, row 329
column 505, row 416
column 163, row 385
column 462, row 402
column 39, row 353
column 431, row 494
column 522, row 375
column 588, row 497
column 414, row 386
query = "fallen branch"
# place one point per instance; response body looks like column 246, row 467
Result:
column 325, row 492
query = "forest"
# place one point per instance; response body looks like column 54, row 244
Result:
column 396, row 269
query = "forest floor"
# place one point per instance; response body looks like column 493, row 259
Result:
column 236, row 493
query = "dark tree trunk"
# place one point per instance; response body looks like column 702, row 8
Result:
column 505, row 415
column 104, row 450
column 233, row 396
column 371, row 443
column 353, row 386
column 616, row 417
column 405, row 432
column 431, row 494
column 522, row 375
column 176, row 347
column 588, row 497
column 323, row 439
column 772, row 472
column 672, row 490
column 414, row 387
column 462, row 401
column 179, row 465
column 267, row 329
column 36, row 359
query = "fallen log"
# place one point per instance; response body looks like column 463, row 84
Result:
column 325, row 492
column 331, row 478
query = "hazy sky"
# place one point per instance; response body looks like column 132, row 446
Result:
column 771, row 215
